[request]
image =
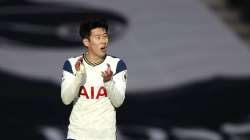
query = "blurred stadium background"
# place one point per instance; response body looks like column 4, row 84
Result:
column 188, row 66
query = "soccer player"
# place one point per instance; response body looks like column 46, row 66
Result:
column 95, row 82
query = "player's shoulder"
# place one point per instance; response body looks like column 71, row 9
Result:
column 69, row 63
column 118, row 62
column 114, row 58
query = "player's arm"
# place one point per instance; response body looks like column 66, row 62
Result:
column 71, row 82
column 116, row 84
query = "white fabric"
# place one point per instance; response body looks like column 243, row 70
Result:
column 93, row 116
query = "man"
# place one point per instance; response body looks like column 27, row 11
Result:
column 95, row 82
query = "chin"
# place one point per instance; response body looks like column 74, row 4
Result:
column 103, row 54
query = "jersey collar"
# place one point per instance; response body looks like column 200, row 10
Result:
column 90, row 63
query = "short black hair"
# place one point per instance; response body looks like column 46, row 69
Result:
column 87, row 25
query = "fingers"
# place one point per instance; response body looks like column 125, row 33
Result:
column 104, row 74
column 80, row 59
column 78, row 63
column 109, row 71
column 108, row 65
column 107, row 74
column 109, row 68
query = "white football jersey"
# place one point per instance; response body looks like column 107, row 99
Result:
column 93, row 116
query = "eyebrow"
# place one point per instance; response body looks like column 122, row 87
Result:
column 100, row 34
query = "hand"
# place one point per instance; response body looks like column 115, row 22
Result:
column 107, row 74
column 78, row 63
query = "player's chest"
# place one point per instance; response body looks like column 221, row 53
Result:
column 93, row 88
column 94, row 75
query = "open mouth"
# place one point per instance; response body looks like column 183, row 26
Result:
column 104, row 48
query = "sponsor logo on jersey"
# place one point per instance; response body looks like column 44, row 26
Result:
column 101, row 92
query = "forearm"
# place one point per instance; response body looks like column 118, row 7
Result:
column 70, row 86
column 69, row 90
column 116, row 90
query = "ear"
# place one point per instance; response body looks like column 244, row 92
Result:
column 85, row 42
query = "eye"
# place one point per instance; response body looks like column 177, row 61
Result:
column 98, row 37
column 105, row 36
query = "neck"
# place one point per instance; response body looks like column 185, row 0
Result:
column 95, row 60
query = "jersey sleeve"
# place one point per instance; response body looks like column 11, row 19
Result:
column 71, row 82
column 116, row 87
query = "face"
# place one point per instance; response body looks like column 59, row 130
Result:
column 97, row 42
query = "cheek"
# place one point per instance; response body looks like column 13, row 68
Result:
column 95, row 42
column 95, row 46
column 98, row 44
